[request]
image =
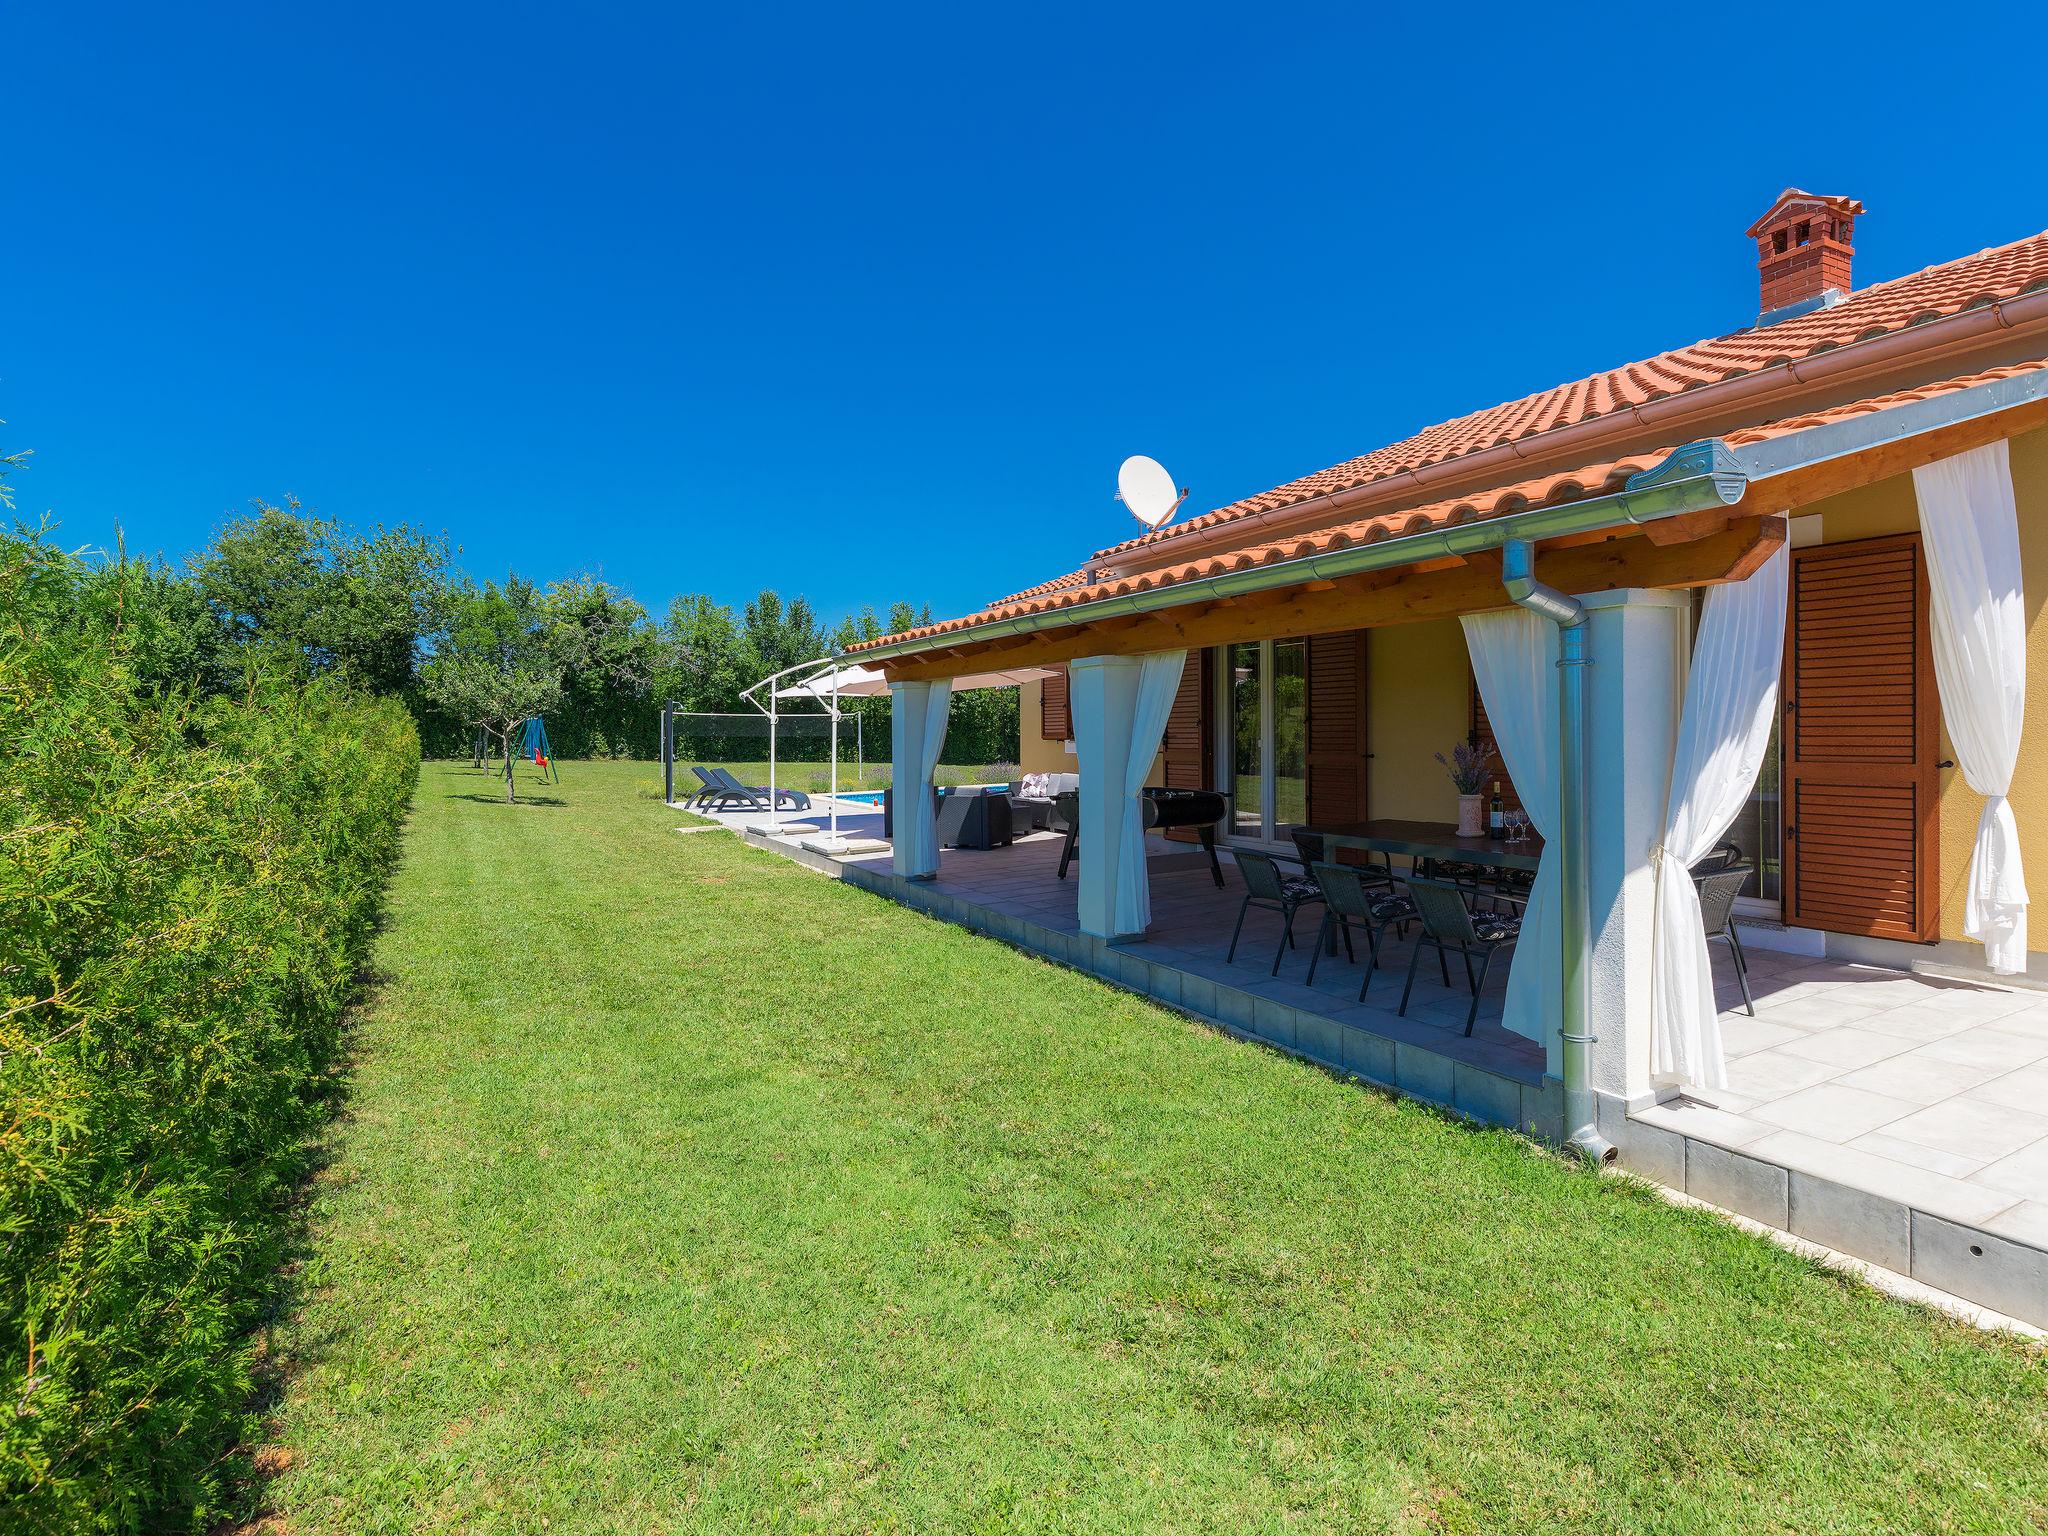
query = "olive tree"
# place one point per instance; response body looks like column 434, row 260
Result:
column 499, row 666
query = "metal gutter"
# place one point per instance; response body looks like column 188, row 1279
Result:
column 1696, row 477
column 1791, row 452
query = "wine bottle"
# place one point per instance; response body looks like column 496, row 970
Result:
column 1496, row 814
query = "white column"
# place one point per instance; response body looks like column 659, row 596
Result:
column 1639, row 642
column 917, row 732
column 1102, row 694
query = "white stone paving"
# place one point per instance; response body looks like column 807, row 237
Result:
column 1924, row 1083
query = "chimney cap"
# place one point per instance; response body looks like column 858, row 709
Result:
column 1847, row 207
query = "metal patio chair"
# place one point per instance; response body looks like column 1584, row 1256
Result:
column 1374, row 867
column 1447, row 923
column 1724, row 856
column 1351, row 895
column 1271, row 889
column 1066, row 817
column 1718, row 891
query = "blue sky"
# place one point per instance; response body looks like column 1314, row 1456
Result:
column 869, row 303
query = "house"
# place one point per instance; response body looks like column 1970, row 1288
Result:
column 1310, row 650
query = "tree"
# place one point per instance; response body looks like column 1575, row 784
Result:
column 289, row 583
column 777, row 637
column 499, row 666
column 903, row 616
column 701, row 665
column 610, row 653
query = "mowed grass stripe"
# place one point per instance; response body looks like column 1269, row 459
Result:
column 685, row 1190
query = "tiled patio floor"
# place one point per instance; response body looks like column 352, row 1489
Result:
column 1932, row 1090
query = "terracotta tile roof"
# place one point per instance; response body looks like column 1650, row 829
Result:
column 2000, row 273
column 1058, row 583
column 1499, row 501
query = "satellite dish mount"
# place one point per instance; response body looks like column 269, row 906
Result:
column 1144, row 486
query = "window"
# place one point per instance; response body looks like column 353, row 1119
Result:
column 1802, row 232
column 1262, row 732
column 1759, row 828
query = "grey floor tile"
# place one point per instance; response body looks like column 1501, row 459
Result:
column 2031, row 1025
column 1741, row 1034
column 2023, row 1172
column 1912, row 1153
column 1766, row 1075
column 1970, row 1129
column 1921, row 1024
column 2027, row 1222
column 2025, row 1088
column 1918, row 1079
column 1813, row 1012
column 1983, row 1047
column 1847, row 1047
column 1690, row 1118
column 1830, row 1112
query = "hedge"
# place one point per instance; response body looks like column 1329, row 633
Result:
column 188, row 887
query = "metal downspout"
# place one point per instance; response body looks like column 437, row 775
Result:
column 1518, row 575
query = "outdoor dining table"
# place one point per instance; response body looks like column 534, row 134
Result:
column 1433, row 840
column 1430, row 840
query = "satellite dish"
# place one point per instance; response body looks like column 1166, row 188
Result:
column 1145, row 487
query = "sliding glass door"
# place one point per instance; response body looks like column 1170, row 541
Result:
column 1262, row 730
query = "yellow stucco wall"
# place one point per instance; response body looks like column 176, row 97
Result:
column 1037, row 755
column 1418, row 703
column 1889, row 507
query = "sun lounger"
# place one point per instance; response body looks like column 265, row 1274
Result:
column 708, row 788
column 755, row 797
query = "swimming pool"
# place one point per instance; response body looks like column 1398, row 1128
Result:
column 874, row 796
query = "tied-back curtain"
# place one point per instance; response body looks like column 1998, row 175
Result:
column 1514, row 660
column 1731, row 698
column 1158, row 682
column 1977, row 622
column 917, row 732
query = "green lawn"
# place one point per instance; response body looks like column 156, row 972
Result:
column 683, row 1190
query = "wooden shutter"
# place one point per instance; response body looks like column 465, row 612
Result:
column 1862, row 727
column 1337, row 768
column 1481, row 736
column 1189, row 746
column 1055, row 719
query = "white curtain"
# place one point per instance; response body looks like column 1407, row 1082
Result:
column 1731, row 698
column 1514, row 659
column 917, row 734
column 1158, row 681
column 1978, row 623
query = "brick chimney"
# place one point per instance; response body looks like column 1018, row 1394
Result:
column 1803, row 249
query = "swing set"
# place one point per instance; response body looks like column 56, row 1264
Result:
column 534, row 744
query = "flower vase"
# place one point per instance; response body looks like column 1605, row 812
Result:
column 1471, row 816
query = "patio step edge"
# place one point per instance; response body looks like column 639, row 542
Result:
column 2007, row 1274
